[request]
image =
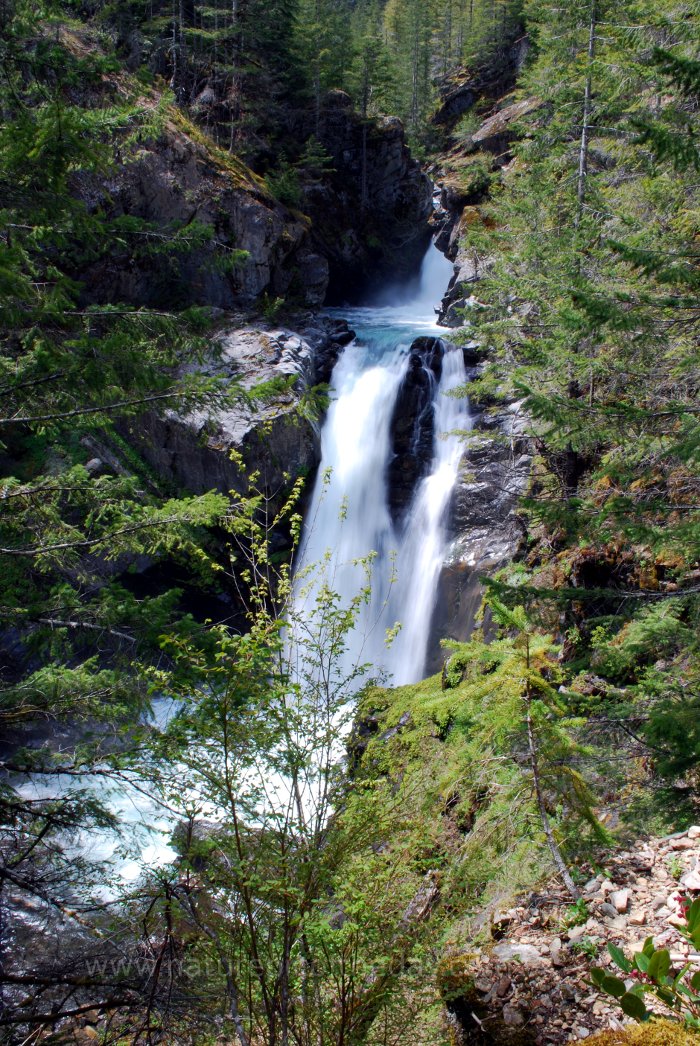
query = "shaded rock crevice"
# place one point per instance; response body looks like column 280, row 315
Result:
column 493, row 80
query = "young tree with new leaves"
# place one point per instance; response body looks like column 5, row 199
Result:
column 295, row 905
column 79, row 642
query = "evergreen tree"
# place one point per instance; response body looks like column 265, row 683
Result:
column 325, row 46
column 372, row 75
column 592, row 302
column 410, row 27
column 299, row 919
column 512, row 705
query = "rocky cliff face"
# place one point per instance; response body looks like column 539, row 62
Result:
column 468, row 266
column 200, row 451
column 465, row 173
column 370, row 217
column 494, row 473
column 180, row 179
column 496, row 465
column 365, row 220
column 458, row 211
column 368, row 221
column 496, row 77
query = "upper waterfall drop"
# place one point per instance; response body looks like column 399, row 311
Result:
column 436, row 272
column 415, row 302
column 349, row 527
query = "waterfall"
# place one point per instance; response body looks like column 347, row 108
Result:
column 422, row 542
column 349, row 518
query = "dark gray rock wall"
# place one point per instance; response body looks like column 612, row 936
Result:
column 174, row 182
column 363, row 222
column 494, row 473
column 370, row 217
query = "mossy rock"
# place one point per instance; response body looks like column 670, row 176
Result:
column 653, row 1033
column 455, row 977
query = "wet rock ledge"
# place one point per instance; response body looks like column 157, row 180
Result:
column 196, row 451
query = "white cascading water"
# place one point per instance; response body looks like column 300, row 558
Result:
column 423, row 540
column 349, row 517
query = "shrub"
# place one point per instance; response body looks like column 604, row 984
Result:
column 284, row 184
column 650, row 972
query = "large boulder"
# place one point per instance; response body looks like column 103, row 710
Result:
column 497, row 133
column 496, row 76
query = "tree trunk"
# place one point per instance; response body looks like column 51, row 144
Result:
column 585, row 130
column 231, row 986
column 447, row 40
column 175, row 57
column 542, row 806
column 363, row 188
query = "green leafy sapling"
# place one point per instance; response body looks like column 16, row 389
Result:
column 651, row 972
